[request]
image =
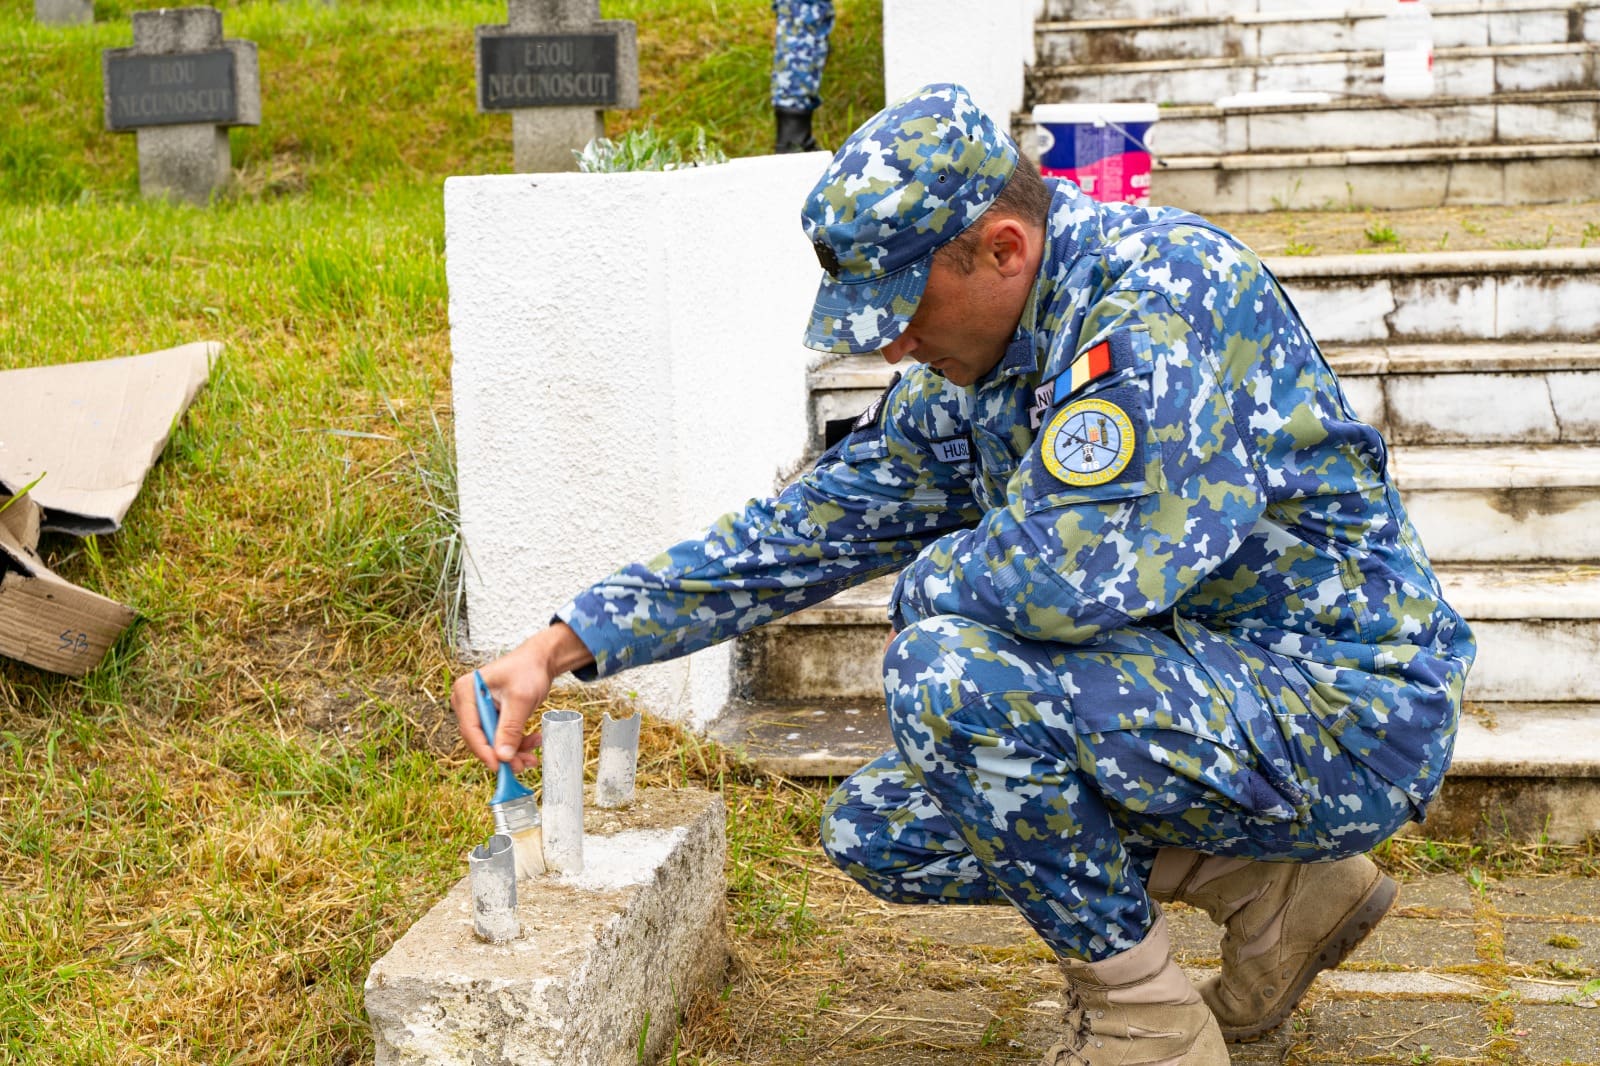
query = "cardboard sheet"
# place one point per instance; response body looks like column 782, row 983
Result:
column 94, row 430
column 44, row 620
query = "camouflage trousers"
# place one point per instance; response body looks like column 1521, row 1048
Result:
column 800, row 49
column 1047, row 775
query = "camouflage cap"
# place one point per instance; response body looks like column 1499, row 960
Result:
column 914, row 176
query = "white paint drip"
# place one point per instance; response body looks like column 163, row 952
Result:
column 624, row 859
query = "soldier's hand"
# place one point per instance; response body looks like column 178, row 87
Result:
column 519, row 681
column 888, row 643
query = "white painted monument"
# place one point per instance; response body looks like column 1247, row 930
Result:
column 627, row 366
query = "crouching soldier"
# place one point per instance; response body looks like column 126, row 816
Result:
column 1162, row 627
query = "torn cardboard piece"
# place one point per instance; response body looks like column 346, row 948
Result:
column 94, row 430
column 46, row 621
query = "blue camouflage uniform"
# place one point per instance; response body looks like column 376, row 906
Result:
column 800, row 51
column 1156, row 586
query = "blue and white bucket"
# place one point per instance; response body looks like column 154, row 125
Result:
column 1105, row 148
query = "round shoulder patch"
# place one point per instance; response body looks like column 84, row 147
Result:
column 1088, row 442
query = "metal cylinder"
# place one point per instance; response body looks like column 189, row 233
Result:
column 562, row 806
column 492, row 877
column 619, row 761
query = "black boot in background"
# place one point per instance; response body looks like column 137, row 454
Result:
column 794, row 132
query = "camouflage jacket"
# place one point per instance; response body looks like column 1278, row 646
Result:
column 1162, row 443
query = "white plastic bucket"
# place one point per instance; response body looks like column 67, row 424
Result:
column 1105, row 148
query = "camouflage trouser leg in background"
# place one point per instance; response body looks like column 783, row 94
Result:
column 1048, row 774
column 800, row 49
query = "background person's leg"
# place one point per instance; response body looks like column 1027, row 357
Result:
column 799, row 54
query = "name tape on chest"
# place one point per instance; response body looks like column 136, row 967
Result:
column 951, row 449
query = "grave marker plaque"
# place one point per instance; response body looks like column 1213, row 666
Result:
column 573, row 70
column 178, row 89
column 553, row 66
column 170, row 90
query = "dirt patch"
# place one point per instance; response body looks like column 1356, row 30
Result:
column 1439, row 229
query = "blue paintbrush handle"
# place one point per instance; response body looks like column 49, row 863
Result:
column 508, row 787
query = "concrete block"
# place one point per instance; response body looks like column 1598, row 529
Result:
column 1472, row 182
column 1548, row 304
column 1366, row 397
column 1556, row 121
column 1514, row 660
column 63, row 12
column 1490, row 525
column 1467, row 29
column 1470, row 409
column 1455, row 308
column 1348, row 312
column 632, row 941
column 1575, row 395
column 1543, row 181
column 1542, row 72
column 1527, row 27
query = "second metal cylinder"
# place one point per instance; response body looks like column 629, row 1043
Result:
column 562, row 805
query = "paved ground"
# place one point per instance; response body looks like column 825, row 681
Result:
column 1497, row 971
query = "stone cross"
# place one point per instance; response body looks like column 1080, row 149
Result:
column 556, row 65
column 63, row 12
column 180, row 87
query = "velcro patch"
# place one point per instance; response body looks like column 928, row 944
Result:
column 1096, row 440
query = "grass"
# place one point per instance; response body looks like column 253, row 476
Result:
column 206, row 842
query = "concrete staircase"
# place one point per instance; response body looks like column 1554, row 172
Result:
column 1479, row 368
column 1515, row 118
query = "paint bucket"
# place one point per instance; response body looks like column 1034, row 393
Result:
column 1104, row 148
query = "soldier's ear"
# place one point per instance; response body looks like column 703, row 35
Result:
column 1006, row 243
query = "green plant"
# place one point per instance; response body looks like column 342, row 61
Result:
column 646, row 148
column 1381, row 233
column 1299, row 248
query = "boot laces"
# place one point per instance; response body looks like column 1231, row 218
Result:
column 1080, row 1027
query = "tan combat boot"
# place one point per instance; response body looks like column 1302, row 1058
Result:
column 1285, row 922
column 1136, row 1009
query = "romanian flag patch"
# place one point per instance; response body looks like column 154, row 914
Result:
column 1090, row 365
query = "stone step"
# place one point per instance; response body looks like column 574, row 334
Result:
column 1122, row 38
column 1088, row 10
column 1488, row 504
column 1419, row 394
column 1528, row 769
column 1384, row 178
column 1536, row 295
column 1377, row 123
column 1466, row 72
column 1538, row 630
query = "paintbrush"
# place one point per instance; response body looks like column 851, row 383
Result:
column 515, row 812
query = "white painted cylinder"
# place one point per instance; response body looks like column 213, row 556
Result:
column 619, row 761
column 491, row 871
column 562, row 803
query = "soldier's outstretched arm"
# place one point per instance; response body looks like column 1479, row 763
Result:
column 868, row 506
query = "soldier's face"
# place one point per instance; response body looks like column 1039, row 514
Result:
column 962, row 325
